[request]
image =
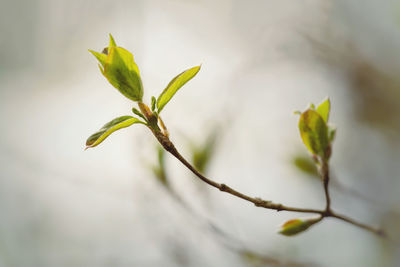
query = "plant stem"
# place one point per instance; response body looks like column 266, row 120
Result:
column 168, row 145
column 327, row 212
column 325, row 178
column 376, row 231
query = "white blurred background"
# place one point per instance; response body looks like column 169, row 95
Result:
column 261, row 60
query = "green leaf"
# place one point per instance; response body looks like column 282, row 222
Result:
column 120, row 69
column 109, row 128
column 296, row 226
column 314, row 132
column 174, row 86
column 122, row 72
column 324, row 108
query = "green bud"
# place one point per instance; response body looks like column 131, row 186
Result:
column 120, row 69
column 314, row 132
column 296, row 226
column 153, row 104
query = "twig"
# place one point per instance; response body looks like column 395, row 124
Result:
column 170, row 147
column 325, row 179
column 227, row 189
column 376, row 231
column 164, row 140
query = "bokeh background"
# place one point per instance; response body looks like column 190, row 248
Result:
column 261, row 60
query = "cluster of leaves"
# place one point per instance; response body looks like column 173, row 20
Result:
column 315, row 131
column 317, row 136
column 118, row 66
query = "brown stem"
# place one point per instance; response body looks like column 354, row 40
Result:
column 325, row 178
column 169, row 146
column 374, row 230
column 327, row 212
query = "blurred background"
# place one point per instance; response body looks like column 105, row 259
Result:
column 125, row 203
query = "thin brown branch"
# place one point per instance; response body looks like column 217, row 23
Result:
column 324, row 171
column 169, row 146
column 371, row 229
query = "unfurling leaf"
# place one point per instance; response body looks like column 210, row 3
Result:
column 174, row 86
column 109, row 128
column 120, row 69
column 323, row 109
column 122, row 72
column 137, row 112
column 153, row 103
column 331, row 133
column 314, row 133
column 296, row 226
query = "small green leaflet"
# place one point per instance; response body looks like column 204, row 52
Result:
column 174, row 86
column 137, row 112
column 109, row 128
column 153, row 104
column 323, row 109
column 101, row 58
column 112, row 42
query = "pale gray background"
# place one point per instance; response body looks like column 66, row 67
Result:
column 61, row 206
